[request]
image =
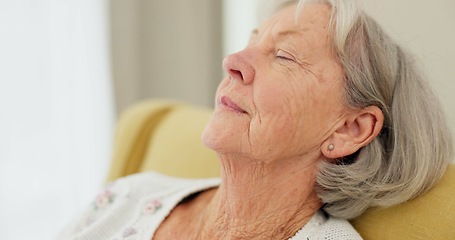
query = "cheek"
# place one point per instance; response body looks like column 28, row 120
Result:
column 280, row 112
column 294, row 118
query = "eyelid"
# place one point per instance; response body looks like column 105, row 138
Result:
column 285, row 55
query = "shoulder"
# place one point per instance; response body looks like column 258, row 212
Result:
column 324, row 227
column 137, row 187
column 128, row 200
column 148, row 182
column 335, row 228
column 153, row 183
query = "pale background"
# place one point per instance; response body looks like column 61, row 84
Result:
column 56, row 112
column 68, row 68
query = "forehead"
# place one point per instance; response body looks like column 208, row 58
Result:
column 313, row 17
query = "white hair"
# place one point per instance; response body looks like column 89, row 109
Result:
column 414, row 147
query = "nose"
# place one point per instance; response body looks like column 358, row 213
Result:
column 238, row 66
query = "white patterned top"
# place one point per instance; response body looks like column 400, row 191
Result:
column 132, row 208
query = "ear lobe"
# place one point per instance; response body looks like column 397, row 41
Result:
column 358, row 130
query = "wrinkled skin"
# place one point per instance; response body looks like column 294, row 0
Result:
column 290, row 85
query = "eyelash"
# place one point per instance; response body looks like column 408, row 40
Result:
column 284, row 55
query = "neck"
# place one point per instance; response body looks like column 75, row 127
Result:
column 273, row 200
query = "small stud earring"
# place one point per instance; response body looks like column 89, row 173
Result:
column 331, row 147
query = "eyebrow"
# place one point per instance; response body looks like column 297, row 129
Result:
column 280, row 34
column 288, row 32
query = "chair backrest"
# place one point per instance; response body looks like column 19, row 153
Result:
column 165, row 136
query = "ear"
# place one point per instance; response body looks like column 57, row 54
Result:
column 357, row 130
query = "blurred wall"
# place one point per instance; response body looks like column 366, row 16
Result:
column 240, row 17
column 166, row 49
column 427, row 29
column 56, row 113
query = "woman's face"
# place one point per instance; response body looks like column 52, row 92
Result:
column 283, row 93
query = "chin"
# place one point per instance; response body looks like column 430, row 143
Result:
column 211, row 137
column 207, row 137
column 220, row 136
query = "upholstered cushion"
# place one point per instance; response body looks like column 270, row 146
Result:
column 176, row 146
column 166, row 136
column 429, row 216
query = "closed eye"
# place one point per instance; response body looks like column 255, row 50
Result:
column 285, row 55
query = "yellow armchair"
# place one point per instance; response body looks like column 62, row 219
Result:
column 165, row 136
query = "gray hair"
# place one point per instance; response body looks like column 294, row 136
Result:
column 414, row 147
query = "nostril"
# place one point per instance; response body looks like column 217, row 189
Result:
column 236, row 74
column 238, row 66
column 241, row 75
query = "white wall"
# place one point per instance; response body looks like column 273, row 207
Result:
column 56, row 113
column 427, row 28
column 240, row 17
column 166, row 49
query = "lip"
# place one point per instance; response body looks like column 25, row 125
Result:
column 227, row 102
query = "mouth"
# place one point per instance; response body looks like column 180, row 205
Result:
column 227, row 102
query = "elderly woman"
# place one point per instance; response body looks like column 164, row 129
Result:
column 321, row 116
